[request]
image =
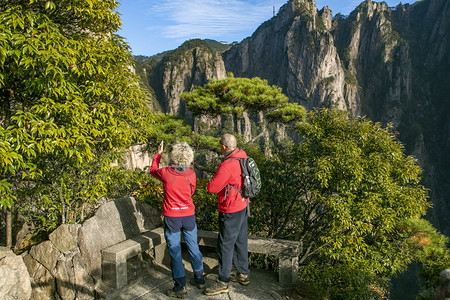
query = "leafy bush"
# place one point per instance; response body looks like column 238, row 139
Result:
column 344, row 192
column 205, row 203
column 151, row 192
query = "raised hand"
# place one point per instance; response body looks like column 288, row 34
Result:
column 161, row 147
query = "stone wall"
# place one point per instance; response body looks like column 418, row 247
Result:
column 68, row 264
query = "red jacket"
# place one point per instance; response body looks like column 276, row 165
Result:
column 177, row 190
column 229, row 172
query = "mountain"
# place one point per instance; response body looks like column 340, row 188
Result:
column 390, row 64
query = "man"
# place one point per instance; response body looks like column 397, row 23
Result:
column 233, row 239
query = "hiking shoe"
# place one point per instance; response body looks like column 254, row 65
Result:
column 180, row 294
column 241, row 278
column 217, row 287
column 197, row 284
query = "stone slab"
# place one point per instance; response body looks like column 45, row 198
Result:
column 114, row 258
column 255, row 244
column 113, row 223
column 154, row 279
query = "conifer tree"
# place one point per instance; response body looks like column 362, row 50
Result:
column 236, row 95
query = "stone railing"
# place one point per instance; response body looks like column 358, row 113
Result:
column 114, row 258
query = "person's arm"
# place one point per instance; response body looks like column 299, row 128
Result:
column 220, row 180
column 155, row 171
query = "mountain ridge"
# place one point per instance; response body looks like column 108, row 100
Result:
column 390, row 64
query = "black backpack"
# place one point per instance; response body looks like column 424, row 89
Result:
column 251, row 179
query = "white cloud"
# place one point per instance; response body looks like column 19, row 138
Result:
column 210, row 18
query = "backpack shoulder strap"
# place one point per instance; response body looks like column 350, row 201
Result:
column 230, row 185
column 240, row 192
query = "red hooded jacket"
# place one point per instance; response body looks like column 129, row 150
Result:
column 178, row 189
column 229, row 172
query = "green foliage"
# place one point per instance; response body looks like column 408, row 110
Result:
column 429, row 248
column 206, row 212
column 217, row 46
column 176, row 56
column 344, row 192
column 122, row 182
column 150, row 191
column 70, row 105
column 236, row 95
column 278, row 210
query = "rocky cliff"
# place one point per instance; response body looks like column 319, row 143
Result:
column 174, row 72
column 391, row 64
column 299, row 54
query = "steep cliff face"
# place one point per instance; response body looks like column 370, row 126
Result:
column 391, row 64
column 299, row 55
column 425, row 126
column 193, row 68
column 377, row 58
column 192, row 64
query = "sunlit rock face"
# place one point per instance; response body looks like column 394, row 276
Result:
column 15, row 281
column 390, row 64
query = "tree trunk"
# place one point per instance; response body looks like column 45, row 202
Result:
column 8, row 228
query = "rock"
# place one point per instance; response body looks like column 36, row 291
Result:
column 137, row 158
column 42, row 282
column 46, row 254
column 72, row 279
column 64, row 238
column 113, row 222
column 443, row 292
column 84, row 283
column 24, row 237
column 14, row 278
column 64, row 277
column 194, row 67
column 44, row 285
column 65, row 265
column 30, row 263
column 147, row 217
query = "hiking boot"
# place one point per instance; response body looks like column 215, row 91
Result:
column 241, row 278
column 217, row 287
column 197, row 284
column 180, row 294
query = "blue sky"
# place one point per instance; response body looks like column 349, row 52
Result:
column 154, row 26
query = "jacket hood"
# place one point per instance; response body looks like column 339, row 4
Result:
column 179, row 168
column 237, row 153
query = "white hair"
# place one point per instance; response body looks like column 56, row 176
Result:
column 182, row 154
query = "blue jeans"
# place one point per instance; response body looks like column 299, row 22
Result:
column 173, row 240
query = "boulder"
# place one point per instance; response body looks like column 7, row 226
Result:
column 68, row 265
column 14, row 278
column 64, row 238
column 83, row 282
column 42, row 281
column 46, row 254
column 443, row 292
column 64, row 277
column 72, row 279
column 24, row 238
column 113, row 222
column 44, row 285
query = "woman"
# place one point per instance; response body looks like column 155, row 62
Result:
column 179, row 214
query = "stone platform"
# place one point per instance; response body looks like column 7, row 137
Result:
column 149, row 280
